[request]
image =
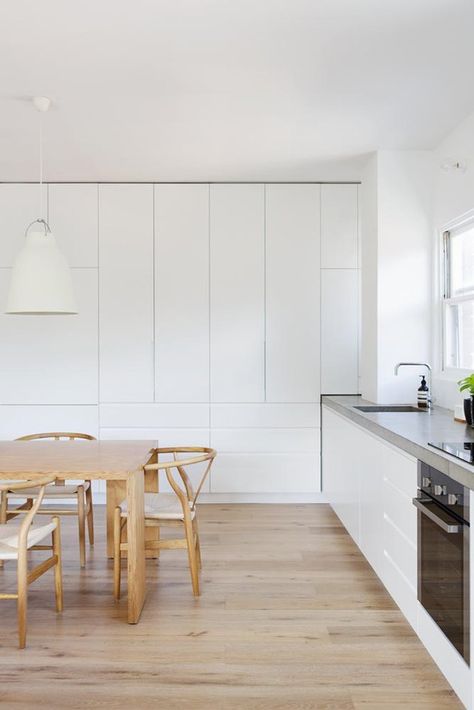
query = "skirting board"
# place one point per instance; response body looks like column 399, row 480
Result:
column 222, row 498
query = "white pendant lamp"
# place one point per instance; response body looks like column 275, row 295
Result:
column 41, row 281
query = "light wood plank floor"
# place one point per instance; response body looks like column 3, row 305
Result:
column 291, row 616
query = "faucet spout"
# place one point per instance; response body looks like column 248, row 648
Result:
column 418, row 364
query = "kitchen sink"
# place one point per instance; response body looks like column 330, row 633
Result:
column 389, row 408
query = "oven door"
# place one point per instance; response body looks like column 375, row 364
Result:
column 443, row 570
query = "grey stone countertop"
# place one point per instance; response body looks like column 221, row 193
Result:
column 411, row 432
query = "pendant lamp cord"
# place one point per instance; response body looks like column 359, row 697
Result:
column 41, row 163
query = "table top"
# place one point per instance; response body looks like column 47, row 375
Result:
column 74, row 459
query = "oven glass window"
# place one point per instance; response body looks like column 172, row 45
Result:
column 444, row 580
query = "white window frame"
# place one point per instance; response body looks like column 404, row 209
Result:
column 445, row 298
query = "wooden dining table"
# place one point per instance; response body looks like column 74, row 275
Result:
column 120, row 464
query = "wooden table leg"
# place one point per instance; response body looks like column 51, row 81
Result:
column 136, row 546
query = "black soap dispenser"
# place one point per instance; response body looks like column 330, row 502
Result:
column 423, row 393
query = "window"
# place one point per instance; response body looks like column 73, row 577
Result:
column 458, row 296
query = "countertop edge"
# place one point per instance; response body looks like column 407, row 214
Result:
column 462, row 473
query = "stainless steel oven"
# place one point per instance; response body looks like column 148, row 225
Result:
column 443, row 554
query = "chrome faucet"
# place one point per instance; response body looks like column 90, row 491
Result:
column 419, row 364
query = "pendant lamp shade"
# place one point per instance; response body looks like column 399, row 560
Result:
column 41, row 281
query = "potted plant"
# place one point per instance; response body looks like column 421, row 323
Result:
column 468, row 384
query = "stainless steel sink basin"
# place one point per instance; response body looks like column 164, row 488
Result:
column 388, row 408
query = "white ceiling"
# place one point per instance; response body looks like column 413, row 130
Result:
column 228, row 89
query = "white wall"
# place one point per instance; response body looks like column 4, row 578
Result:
column 404, row 270
column 453, row 197
column 396, row 272
column 369, row 281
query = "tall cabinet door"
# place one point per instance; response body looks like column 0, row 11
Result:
column 237, row 293
column 339, row 331
column 292, row 293
column 182, row 293
column 126, row 293
column 50, row 360
column 339, row 289
column 74, row 219
column 339, row 226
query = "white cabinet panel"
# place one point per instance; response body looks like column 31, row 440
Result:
column 376, row 511
column 340, row 473
column 182, row 293
column 51, row 359
column 401, row 552
column 265, row 415
column 400, row 589
column 399, row 510
column 126, row 293
column 265, row 473
column 125, row 416
column 292, row 293
column 367, row 456
column 339, row 331
column 19, row 420
column 74, row 219
column 19, row 205
column 265, row 440
column 400, row 469
column 339, row 243
column 237, row 293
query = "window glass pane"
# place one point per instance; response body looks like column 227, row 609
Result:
column 462, row 262
column 459, row 335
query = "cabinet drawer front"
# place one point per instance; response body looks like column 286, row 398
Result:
column 403, row 593
column 146, row 416
column 265, row 416
column 18, row 420
column 401, row 471
column 401, row 551
column 265, row 473
column 266, row 440
column 399, row 508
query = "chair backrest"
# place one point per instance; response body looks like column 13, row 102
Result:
column 197, row 454
column 39, row 486
column 57, row 435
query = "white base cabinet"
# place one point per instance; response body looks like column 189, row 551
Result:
column 370, row 485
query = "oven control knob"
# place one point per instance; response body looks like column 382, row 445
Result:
column 426, row 482
column 440, row 490
column 453, row 499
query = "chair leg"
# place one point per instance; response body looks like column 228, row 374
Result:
column 193, row 564
column 81, row 517
column 3, row 507
column 22, row 602
column 198, row 542
column 90, row 514
column 117, row 560
column 58, row 573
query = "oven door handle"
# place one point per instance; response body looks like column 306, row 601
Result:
column 419, row 503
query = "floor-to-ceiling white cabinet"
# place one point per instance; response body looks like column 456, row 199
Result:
column 126, row 286
column 182, row 293
column 213, row 314
column 237, row 298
